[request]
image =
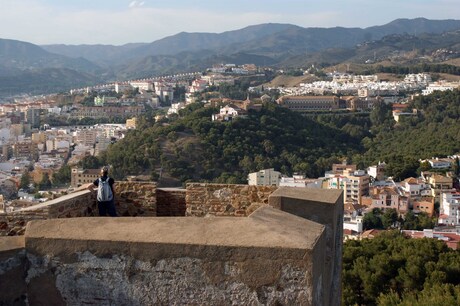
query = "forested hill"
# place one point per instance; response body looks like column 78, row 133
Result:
column 433, row 132
column 193, row 147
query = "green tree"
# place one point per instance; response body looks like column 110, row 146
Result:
column 62, row 176
column 45, row 182
column 373, row 220
column 389, row 217
column 25, row 180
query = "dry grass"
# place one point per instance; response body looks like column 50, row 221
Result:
column 289, row 81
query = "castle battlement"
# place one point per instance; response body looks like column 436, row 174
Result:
column 253, row 245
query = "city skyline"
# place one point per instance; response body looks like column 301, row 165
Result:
column 123, row 21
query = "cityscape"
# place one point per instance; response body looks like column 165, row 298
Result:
column 271, row 165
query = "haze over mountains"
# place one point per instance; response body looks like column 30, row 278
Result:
column 265, row 44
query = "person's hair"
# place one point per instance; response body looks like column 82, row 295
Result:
column 105, row 170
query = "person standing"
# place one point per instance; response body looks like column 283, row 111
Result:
column 105, row 193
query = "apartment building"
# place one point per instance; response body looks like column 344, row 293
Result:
column 81, row 177
column 266, row 177
column 449, row 208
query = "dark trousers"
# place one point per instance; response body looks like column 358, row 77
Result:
column 107, row 208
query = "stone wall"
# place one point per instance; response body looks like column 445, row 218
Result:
column 323, row 207
column 136, row 199
column 268, row 258
column 131, row 199
column 171, row 202
column 13, row 268
column 225, row 199
column 286, row 254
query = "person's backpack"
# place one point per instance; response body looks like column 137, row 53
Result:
column 104, row 192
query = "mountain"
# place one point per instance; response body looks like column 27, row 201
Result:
column 27, row 68
column 101, row 54
column 20, row 56
column 283, row 45
column 414, row 27
column 394, row 48
column 270, row 39
column 46, row 80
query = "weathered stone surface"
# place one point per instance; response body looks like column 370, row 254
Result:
column 131, row 199
column 171, row 202
column 265, row 259
column 324, row 207
column 225, row 200
column 12, row 270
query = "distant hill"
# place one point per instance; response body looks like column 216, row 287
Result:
column 20, row 56
column 27, row 68
column 281, row 45
column 46, row 80
column 395, row 48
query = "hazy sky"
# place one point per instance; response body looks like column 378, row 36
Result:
column 118, row 22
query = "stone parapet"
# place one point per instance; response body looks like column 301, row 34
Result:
column 131, row 199
column 324, row 207
column 225, row 199
column 13, row 268
column 269, row 258
column 171, row 202
column 136, row 198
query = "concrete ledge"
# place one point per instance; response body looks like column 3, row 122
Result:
column 11, row 243
column 267, row 228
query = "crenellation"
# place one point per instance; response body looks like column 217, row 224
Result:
column 225, row 200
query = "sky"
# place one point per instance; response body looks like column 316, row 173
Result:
column 118, row 22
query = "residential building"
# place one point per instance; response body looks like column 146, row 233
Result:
column 353, row 217
column 449, row 209
column 389, row 198
column 81, row 177
column 414, row 187
column 121, row 87
column 439, row 184
column 439, row 163
column 424, row 206
column 25, row 149
column 131, row 123
column 377, row 172
column 228, row 113
column 142, row 85
column 354, row 183
column 300, row 181
column 266, row 177
column 87, row 137
column 451, row 239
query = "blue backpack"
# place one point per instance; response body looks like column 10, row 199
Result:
column 104, row 192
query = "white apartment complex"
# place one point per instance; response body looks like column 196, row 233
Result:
column 266, row 177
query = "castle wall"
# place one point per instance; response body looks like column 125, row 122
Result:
column 225, row 199
column 267, row 258
column 324, row 207
column 131, row 199
column 13, row 267
column 288, row 251
column 171, row 202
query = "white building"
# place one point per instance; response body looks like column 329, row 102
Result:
column 450, row 208
column 266, row 177
column 354, row 184
column 142, row 85
column 440, row 86
column 377, row 171
column 121, row 87
column 300, row 181
column 228, row 112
